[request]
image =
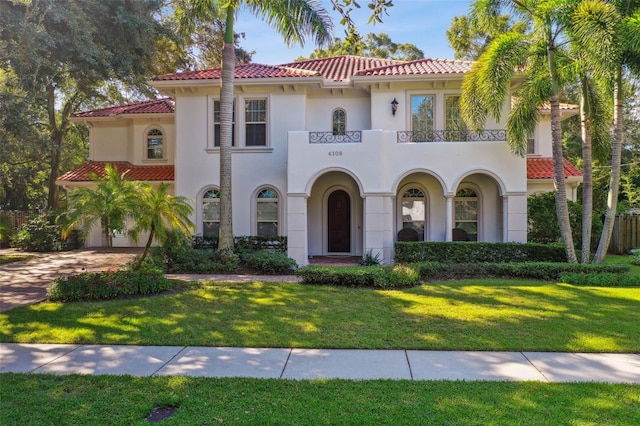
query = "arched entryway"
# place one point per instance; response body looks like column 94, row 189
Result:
column 339, row 222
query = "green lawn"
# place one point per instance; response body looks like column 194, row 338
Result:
column 509, row 315
column 471, row 314
column 110, row 400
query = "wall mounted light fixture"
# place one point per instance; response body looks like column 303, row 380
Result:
column 394, row 106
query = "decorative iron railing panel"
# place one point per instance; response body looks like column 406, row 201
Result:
column 498, row 135
column 329, row 137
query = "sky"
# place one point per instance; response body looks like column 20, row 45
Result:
column 420, row 22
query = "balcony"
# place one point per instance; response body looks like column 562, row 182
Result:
column 485, row 135
column 329, row 137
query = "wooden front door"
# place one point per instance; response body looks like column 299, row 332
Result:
column 339, row 211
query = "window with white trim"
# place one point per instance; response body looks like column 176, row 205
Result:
column 267, row 213
column 255, row 122
column 339, row 122
column 211, row 213
column 155, row 144
column 413, row 211
column 422, row 117
column 456, row 129
column 466, row 212
column 216, row 124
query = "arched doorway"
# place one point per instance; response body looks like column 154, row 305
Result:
column 339, row 222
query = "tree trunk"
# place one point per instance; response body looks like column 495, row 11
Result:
column 55, row 136
column 562, row 209
column 147, row 246
column 587, row 183
column 616, row 160
column 225, row 243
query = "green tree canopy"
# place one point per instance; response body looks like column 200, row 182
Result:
column 374, row 45
column 469, row 40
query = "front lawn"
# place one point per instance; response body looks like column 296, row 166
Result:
column 509, row 315
column 110, row 400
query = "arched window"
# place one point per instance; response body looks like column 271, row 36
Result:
column 413, row 211
column 466, row 212
column 339, row 122
column 155, row 145
column 211, row 213
column 267, row 213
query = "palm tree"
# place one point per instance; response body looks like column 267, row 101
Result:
column 610, row 34
column 110, row 203
column 159, row 213
column 538, row 57
column 293, row 19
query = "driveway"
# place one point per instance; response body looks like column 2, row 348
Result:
column 25, row 283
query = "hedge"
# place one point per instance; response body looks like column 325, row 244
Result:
column 361, row 276
column 473, row 252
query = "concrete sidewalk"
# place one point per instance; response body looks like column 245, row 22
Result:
column 300, row 364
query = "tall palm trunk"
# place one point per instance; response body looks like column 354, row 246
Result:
column 558, row 157
column 616, row 160
column 587, row 183
column 225, row 243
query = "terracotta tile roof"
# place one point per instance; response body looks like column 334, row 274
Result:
column 421, row 67
column 157, row 106
column 242, row 71
column 147, row 173
column 542, row 168
column 341, row 68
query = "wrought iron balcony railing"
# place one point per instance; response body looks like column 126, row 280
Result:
column 329, row 137
column 498, row 135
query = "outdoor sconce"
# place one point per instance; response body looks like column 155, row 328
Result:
column 394, row 106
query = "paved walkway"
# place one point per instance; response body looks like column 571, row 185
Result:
column 300, row 364
column 25, row 282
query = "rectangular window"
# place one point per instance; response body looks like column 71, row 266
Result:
column 268, row 218
column 211, row 218
column 531, row 145
column 455, row 128
column 216, row 124
column 413, row 216
column 422, row 118
column 255, row 119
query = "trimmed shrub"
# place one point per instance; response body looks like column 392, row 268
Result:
column 40, row 236
column 472, row 252
column 359, row 276
column 269, row 263
column 530, row 270
column 106, row 285
column 185, row 259
column 607, row 279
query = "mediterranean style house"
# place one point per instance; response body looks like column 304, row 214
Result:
column 343, row 155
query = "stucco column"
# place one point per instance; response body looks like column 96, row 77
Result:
column 505, row 218
column 516, row 217
column 378, row 227
column 449, row 217
column 297, row 239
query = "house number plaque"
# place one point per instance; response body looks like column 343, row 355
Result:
column 335, row 153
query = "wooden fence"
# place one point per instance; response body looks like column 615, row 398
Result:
column 626, row 234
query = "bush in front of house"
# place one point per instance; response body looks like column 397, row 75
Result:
column 270, row 263
column 40, row 236
column 106, row 285
column 396, row 276
column 607, row 279
column 545, row 271
column 473, row 252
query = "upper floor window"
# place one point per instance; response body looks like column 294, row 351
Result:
column 255, row 120
column 211, row 213
column 267, row 217
column 466, row 212
column 422, row 117
column 155, row 145
column 456, row 129
column 339, row 121
column 531, row 145
column 216, row 124
column 413, row 211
